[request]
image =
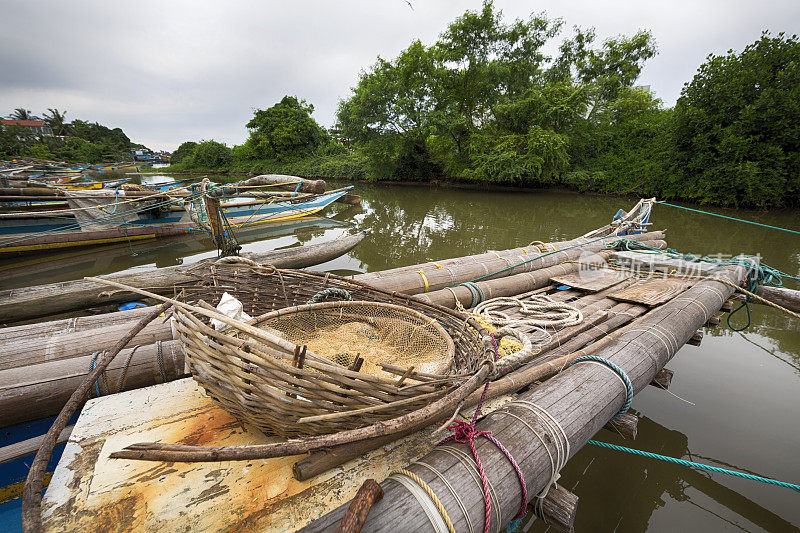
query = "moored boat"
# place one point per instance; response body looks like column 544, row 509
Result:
column 25, row 232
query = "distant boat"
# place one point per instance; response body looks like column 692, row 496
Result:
column 24, row 232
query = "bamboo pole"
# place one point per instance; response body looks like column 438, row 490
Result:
column 581, row 399
column 37, row 391
column 43, row 300
column 431, row 277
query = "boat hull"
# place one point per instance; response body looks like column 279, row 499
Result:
column 31, row 234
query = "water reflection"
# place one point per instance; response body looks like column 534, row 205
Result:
column 745, row 388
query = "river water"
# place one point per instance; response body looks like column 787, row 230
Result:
column 734, row 401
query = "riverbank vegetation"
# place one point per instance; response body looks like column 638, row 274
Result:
column 488, row 103
column 76, row 141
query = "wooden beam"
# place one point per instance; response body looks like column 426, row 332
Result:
column 663, row 379
column 626, row 425
column 30, row 446
column 697, row 338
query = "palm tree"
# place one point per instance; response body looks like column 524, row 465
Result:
column 56, row 121
column 21, row 113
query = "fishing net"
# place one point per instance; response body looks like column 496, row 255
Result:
column 376, row 332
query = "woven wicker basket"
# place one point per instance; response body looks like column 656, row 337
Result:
column 278, row 388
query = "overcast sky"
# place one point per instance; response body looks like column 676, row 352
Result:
column 170, row 71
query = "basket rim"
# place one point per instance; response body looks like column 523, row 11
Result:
column 297, row 309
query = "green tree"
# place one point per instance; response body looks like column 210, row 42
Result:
column 286, row 130
column 55, row 119
column 209, row 154
column 183, row 151
column 737, row 127
column 485, row 102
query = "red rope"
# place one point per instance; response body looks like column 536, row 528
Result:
column 466, row 433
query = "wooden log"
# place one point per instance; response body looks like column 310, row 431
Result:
column 26, row 447
column 41, row 390
column 727, row 307
column 43, row 300
column 626, row 425
column 486, row 265
column 788, row 298
column 559, row 508
column 663, row 379
column 713, row 322
column 369, row 493
column 286, row 182
column 581, row 399
column 696, row 339
column 56, row 346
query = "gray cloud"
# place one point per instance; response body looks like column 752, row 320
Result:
column 172, row 71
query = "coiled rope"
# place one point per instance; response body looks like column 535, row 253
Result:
column 539, row 309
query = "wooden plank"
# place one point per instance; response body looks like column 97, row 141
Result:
column 652, row 292
column 592, row 280
column 123, row 495
column 664, row 263
column 29, row 446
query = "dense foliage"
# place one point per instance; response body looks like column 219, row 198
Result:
column 486, row 103
column 737, row 127
column 285, row 130
column 77, row 141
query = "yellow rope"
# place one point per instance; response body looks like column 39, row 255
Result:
column 437, row 265
column 425, row 279
column 429, row 491
column 495, row 253
column 523, row 249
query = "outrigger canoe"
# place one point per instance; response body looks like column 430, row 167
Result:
column 42, row 232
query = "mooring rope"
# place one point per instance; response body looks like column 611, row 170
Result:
column 696, row 465
column 466, row 433
column 618, row 372
column 729, row 218
column 402, row 476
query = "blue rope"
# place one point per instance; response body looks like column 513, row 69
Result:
column 94, row 364
column 730, row 218
column 477, row 293
column 622, row 374
column 696, row 465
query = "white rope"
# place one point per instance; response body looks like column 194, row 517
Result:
column 424, row 501
column 539, row 309
column 559, row 440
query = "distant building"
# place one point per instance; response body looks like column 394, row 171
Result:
column 36, row 126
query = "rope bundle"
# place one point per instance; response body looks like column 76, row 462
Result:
column 540, row 311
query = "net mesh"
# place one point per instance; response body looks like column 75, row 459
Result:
column 376, row 333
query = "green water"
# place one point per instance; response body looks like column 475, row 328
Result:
column 744, row 389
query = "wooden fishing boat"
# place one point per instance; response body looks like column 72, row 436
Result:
column 44, row 231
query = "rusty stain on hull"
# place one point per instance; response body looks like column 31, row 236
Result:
column 89, row 491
